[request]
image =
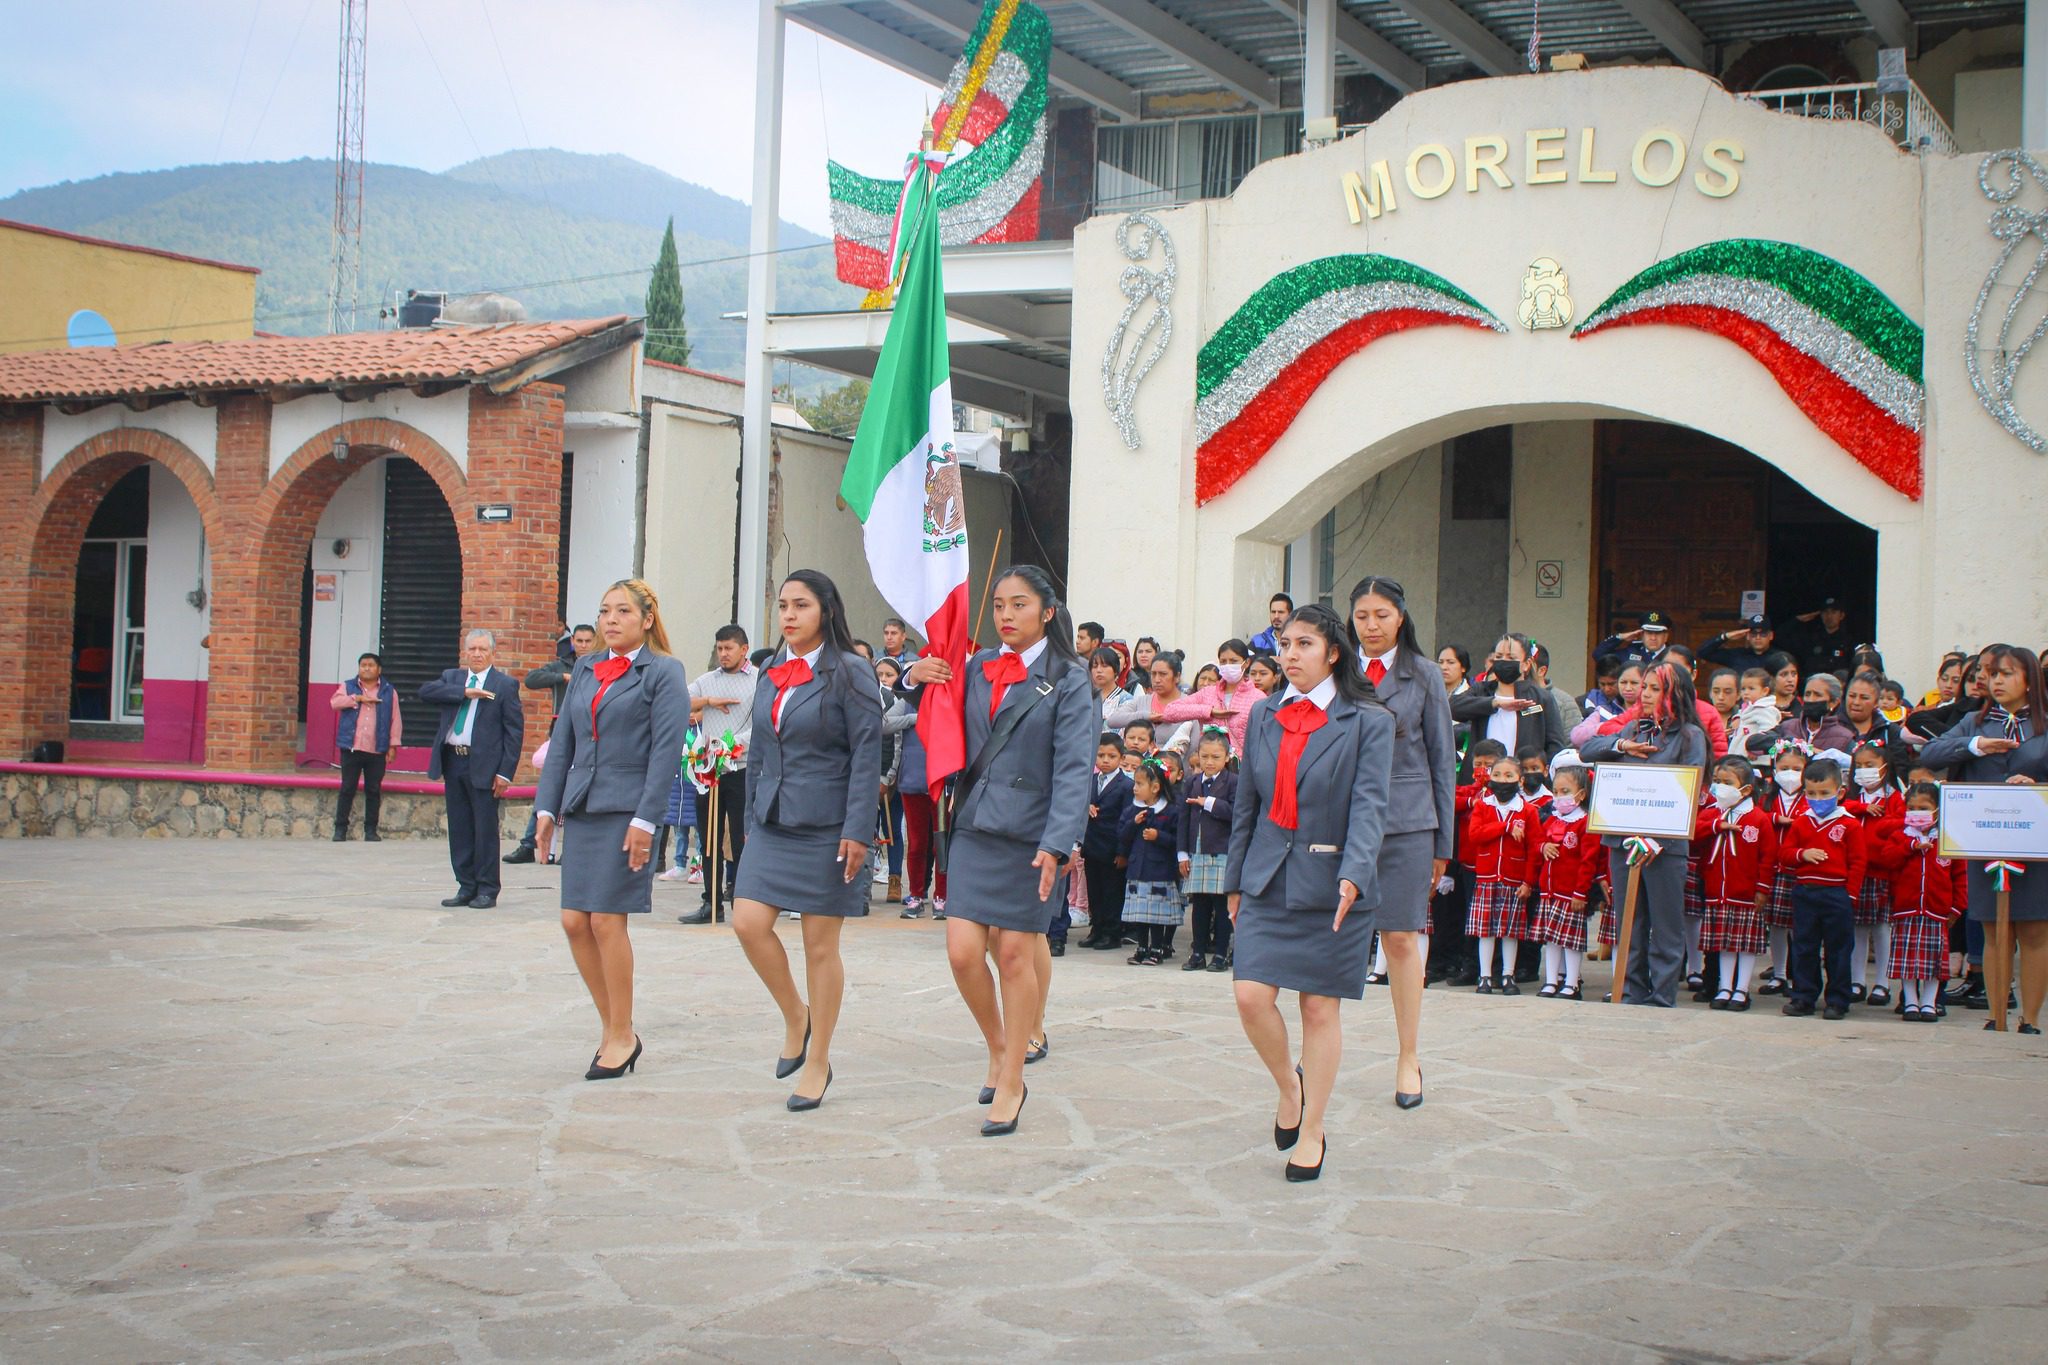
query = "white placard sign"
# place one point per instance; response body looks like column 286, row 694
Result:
column 1994, row 820
column 1644, row 798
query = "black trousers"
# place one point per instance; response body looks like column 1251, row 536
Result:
column 732, row 815
column 1823, row 932
column 1212, row 923
column 472, row 827
column 370, row 768
column 1105, row 897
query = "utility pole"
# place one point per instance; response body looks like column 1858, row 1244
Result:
column 346, row 281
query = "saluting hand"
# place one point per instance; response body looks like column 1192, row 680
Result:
column 1347, row 895
column 1636, row 748
column 1048, row 872
column 1996, row 744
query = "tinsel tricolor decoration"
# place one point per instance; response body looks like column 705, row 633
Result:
column 2002, row 872
column 994, row 99
column 1841, row 350
column 1258, row 371
column 1640, row 848
column 705, row 759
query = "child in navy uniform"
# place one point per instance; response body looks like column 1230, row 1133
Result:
column 1098, row 845
column 1206, row 807
column 1788, row 764
column 1823, row 848
column 1149, row 842
column 1876, row 801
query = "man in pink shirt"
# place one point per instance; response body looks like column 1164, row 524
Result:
column 367, row 727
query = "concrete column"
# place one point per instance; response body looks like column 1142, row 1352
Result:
column 2034, row 83
column 1319, row 71
column 751, row 588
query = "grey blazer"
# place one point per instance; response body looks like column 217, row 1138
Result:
column 1341, row 786
column 1952, row 751
column 630, row 762
column 824, row 766
column 1038, row 788
column 1684, row 747
column 1424, row 793
column 1533, row 729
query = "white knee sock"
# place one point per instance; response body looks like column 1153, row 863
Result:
column 1727, row 961
column 1551, row 954
column 1781, row 952
column 1486, row 955
column 1745, row 968
column 1573, row 957
column 1911, row 991
column 1881, row 970
column 1510, row 949
column 1859, row 953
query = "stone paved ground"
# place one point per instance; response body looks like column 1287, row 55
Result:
column 265, row 1100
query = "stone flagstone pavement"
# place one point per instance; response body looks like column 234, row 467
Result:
column 264, row 1100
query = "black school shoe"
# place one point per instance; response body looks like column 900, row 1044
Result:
column 1832, row 1012
column 1508, row 987
column 1797, row 1009
column 1195, row 963
column 1219, row 964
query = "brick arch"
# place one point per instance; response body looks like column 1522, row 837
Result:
column 45, row 560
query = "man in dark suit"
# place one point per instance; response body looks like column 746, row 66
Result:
column 475, row 751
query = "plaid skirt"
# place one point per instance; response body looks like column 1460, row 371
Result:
column 1497, row 912
column 1556, row 922
column 1919, row 947
column 1695, row 892
column 1205, row 875
column 1778, row 910
column 1153, row 903
column 1874, row 904
column 1734, row 927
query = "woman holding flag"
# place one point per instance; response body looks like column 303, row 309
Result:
column 1019, row 805
column 813, row 772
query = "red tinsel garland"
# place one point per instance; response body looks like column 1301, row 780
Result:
column 1021, row 223
column 1228, row 455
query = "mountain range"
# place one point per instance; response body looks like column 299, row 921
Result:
column 568, row 234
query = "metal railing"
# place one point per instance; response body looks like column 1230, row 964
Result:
column 1898, row 110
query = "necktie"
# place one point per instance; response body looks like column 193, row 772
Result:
column 1001, row 671
column 609, row 671
column 1375, row 672
column 787, row 677
column 468, row 706
column 1300, row 718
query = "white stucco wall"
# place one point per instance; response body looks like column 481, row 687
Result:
column 352, row 622
column 818, row 533
column 178, row 563
column 186, row 422
column 445, row 417
column 601, row 502
column 1552, row 520
column 1388, row 526
column 692, row 456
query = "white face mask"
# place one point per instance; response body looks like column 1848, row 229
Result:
column 1726, row 795
column 1869, row 778
column 1230, row 673
column 1789, row 780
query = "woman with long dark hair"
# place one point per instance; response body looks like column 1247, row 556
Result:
column 2006, row 741
column 1019, row 807
column 1421, row 825
column 1668, row 732
column 1302, row 876
column 812, row 775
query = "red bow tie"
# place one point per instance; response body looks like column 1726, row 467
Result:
column 786, row 676
column 608, row 670
column 1300, row 718
column 1001, row 671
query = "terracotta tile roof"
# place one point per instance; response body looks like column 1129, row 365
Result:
column 366, row 359
column 126, row 246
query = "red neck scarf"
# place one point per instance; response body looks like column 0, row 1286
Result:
column 1006, row 668
column 609, row 670
column 1300, row 718
column 787, row 677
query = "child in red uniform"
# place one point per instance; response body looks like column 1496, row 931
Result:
column 1788, row 766
column 1928, row 893
column 1561, row 877
column 1503, row 829
column 1823, row 847
column 1875, row 800
column 1740, row 854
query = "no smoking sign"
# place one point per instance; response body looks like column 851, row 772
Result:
column 1550, row 578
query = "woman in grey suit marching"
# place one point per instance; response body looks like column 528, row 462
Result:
column 812, row 776
column 1019, row 809
column 1422, row 825
column 613, row 754
column 1302, row 876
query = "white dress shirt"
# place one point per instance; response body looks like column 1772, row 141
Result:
column 1322, row 694
column 466, row 717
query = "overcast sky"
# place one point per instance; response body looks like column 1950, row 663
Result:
column 123, row 85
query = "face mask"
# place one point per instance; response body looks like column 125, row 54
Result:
column 1813, row 712
column 1822, row 805
column 1230, row 673
column 1565, row 805
column 1726, row 795
column 1869, row 778
column 1532, row 783
column 1507, row 670
column 1788, row 780
column 1504, row 792
column 1919, row 819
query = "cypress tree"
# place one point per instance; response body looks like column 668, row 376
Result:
column 667, row 336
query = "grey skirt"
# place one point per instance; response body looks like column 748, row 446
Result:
column 1406, row 862
column 990, row 880
column 799, row 869
column 1297, row 951
column 595, row 877
column 2029, row 895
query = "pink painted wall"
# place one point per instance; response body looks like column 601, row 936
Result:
column 173, row 720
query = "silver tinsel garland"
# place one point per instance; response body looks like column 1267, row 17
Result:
column 1993, row 372
column 1123, row 371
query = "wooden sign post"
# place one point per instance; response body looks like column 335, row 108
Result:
column 1642, row 803
column 2004, row 826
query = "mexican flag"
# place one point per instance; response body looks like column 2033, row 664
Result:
column 904, row 484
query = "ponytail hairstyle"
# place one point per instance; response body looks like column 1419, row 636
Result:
column 1059, row 631
column 650, row 607
column 1345, row 672
column 831, row 607
column 1374, row 586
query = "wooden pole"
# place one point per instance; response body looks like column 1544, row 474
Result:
column 1998, row 961
column 714, row 855
column 1621, row 932
column 988, row 585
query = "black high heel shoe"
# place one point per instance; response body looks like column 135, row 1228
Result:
column 1298, row 1174
column 1038, row 1051
column 1284, row 1138
column 988, row 1095
column 1408, row 1099
column 803, row 1104
column 612, row 1073
column 990, row 1128
column 785, row 1067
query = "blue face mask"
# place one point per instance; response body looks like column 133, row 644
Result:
column 1822, row 805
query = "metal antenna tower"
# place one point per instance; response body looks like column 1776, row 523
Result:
column 345, row 283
